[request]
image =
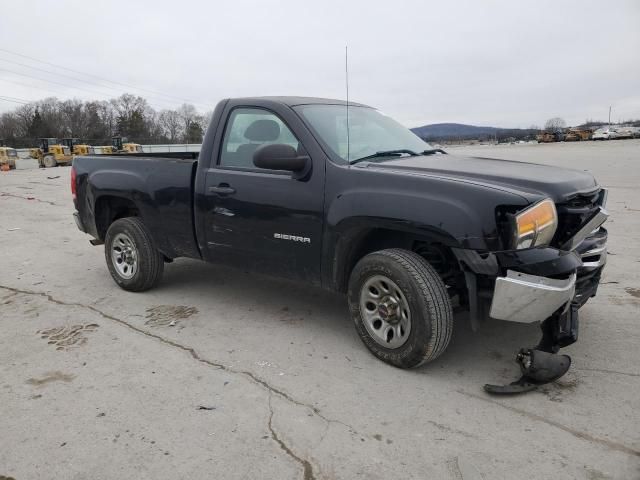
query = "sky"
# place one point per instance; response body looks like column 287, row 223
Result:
column 498, row 63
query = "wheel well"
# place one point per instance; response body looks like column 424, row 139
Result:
column 437, row 254
column 108, row 209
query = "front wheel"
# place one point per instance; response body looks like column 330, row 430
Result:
column 400, row 307
column 132, row 257
column 49, row 161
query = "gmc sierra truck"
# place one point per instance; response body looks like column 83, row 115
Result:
column 340, row 196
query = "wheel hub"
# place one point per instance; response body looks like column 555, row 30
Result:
column 124, row 256
column 388, row 310
column 385, row 311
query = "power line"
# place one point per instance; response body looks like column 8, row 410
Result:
column 15, row 98
column 13, row 101
column 33, row 86
column 103, row 79
column 66, row 85
column 70, row 86
column 72, row 78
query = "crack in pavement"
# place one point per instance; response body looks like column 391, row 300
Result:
column 576, row 433
column 602, row 370
column 4, row 194
column 11, row 294
column 307, row 468
column 252, row 377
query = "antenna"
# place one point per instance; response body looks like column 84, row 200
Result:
column 346, row 71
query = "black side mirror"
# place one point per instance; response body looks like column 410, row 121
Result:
column 281, row 157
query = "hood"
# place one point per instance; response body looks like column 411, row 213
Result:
column 529, row 180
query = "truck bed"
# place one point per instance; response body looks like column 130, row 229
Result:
column 161, row 188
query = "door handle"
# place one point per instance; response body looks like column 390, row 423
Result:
column 222, row 189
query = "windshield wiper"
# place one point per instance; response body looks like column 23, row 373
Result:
column 387, row 153
column 433, row 151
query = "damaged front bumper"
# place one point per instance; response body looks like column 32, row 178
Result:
column 545, row 285
column 531, row 292
column 527, row 286
column 523, row 298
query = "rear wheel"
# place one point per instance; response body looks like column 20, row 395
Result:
column 400, row 307
column 132, row 257
column 49, row 161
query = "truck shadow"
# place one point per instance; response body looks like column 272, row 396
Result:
column 487, row 354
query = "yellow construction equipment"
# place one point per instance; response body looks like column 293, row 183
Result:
column 577, row 135
column 132, row 148
column 76, row 147
column 8, row 157
column 103, row 150
column 128, row 147
column 83, row 149
column 547, row 137
column 51, row 153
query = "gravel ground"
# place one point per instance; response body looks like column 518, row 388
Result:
column 222, row 374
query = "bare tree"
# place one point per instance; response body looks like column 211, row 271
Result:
column 24, row 117
column 171, row 122
column 189, row 115
column 53, row 124
column 555, row 124
column 96, row 121
column 75, row 118
column 9, row 128
column 206, row 118
column 109, row 114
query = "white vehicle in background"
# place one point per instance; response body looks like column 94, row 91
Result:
column 627, row 132
column 605, row 133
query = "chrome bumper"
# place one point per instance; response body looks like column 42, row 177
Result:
column 524, row 298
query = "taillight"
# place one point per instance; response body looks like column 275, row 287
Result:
column 73, row 183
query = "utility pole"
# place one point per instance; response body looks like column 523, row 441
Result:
column 609, row 114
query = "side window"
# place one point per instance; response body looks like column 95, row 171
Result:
column 248, row 129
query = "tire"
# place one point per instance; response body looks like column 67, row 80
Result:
column 413, row 284
column 132, row 257
column 49, row 161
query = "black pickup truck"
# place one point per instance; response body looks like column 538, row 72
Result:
column 343, row 197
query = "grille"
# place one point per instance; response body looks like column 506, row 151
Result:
column 574, row 213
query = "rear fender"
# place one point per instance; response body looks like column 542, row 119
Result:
column 107, row 186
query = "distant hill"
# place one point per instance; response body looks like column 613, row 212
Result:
column 443, row 131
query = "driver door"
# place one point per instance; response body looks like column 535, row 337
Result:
column 258, row 219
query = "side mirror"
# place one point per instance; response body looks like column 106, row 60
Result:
column 281, row 157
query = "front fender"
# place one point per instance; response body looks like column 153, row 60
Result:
column 453, row 213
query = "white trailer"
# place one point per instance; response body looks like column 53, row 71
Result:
column 168, row 148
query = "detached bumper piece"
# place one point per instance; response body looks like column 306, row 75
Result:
column 538, row 367
column 542, row 364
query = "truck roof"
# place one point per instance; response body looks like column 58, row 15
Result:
column 292, row 101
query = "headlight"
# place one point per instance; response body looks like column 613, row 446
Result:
column 536, row 225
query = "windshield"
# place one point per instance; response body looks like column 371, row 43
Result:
column 369, row 131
